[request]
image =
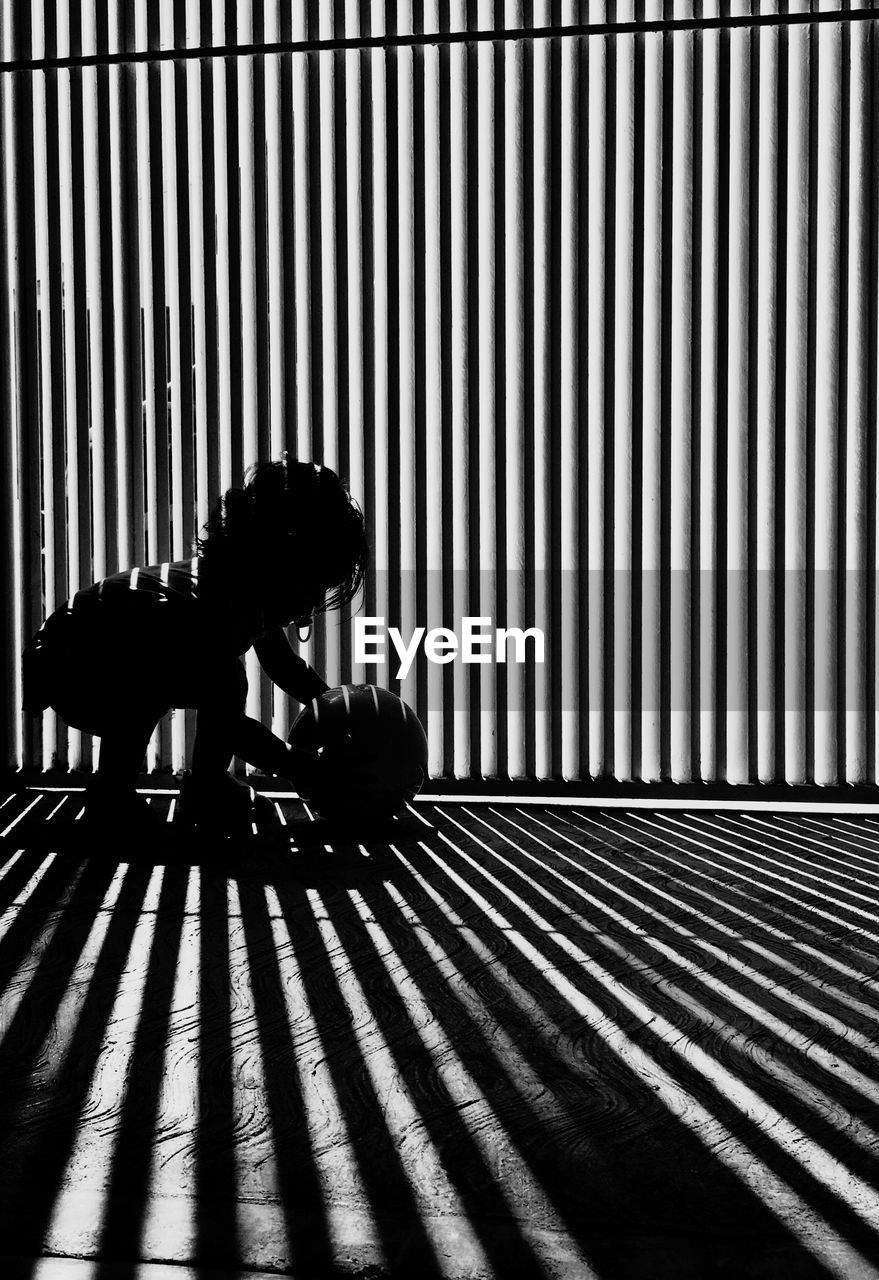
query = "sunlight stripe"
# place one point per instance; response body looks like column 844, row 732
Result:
column 19, row 984
column 785, row 839
column 169, row 1228
column 765, row 888
column 841, row 1259
column 15, row 821
column 524, row 1195
column 10, row 863
column 331, row 1150
column 560, row 1041
column 793, row 884
column 814, row 1160
column 94, row 1147
column 830, row 1062
column 66, row 1017
column 852, row 860
column 836, row 828
column 511, row 1063
column 747, row 893
column 824, row 987
column 253, row 1151
column 424, row 1166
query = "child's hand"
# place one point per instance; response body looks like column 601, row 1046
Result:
column 304, row 769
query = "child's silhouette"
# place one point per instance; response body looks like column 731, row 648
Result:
column 122, row 652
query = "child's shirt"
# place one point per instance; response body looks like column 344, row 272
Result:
column 159, row 623
column 173, row 596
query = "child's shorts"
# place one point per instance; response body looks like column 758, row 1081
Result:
column 95, row 664
column 87, row 670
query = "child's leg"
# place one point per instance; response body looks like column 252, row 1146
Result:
column 220, row 709
column 122, row 750
column 111, row 796
column 211, row 797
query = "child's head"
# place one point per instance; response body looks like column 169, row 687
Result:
column 296, row 534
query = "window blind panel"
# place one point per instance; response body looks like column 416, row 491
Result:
column 828, row 157
column 736, row 405
column 17, row 553
column 546, row 691
column 681, row 424
column 461, row 268
column 588, row 323
column 485, row 530
column 51, row 412
column 572, row 636
column 796, row 228
column 767, row 406
column 710, row 61
column 623, row 392
column 432, row 568
column 650, row 304
column 857, row 487
column 597, row 408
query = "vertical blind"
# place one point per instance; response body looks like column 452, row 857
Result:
column 586, row 317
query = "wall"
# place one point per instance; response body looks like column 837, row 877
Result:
column 587, row 319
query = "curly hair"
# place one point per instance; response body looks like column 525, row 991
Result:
column 286, row 503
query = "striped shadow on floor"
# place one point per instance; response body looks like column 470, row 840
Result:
column 493, row 1039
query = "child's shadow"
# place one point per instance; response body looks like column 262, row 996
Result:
column 282, row 844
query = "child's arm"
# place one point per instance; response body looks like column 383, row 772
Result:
column 285, row 668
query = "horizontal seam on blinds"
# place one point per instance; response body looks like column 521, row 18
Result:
column 659, row 26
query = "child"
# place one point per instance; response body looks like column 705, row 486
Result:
column 119, row 655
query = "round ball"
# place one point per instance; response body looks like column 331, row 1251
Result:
column 372, row 748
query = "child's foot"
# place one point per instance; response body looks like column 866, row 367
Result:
column 114, row 809
column 217, row 804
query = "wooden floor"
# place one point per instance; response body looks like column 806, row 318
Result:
column 493, row 1040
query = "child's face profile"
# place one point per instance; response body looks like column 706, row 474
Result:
column 292, row 599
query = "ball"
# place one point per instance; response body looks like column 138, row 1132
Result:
column 372, row 752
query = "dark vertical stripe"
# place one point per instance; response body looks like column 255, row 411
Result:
column 754, row 144
column 53, row 304
column 723, row 299
column 232, row 179
column 26, row 366
column 814, row 125
column 371, row 354
column 667, row 242
column 638, row 422
column 108, row 269
column 871, row 267
column 185, row 429
column 780, row 583
column 395, row 426
column 528, row 432
column 208, row 71
column 560, row 695
column 9, row 641
column 264, row 338
column 160, row 518
column 610, row 425
column 288, row 219
column 498, row 54
column 696, row 417
column 473, row 361
column 842, row 496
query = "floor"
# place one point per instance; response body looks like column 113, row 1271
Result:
column 491, row 1040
